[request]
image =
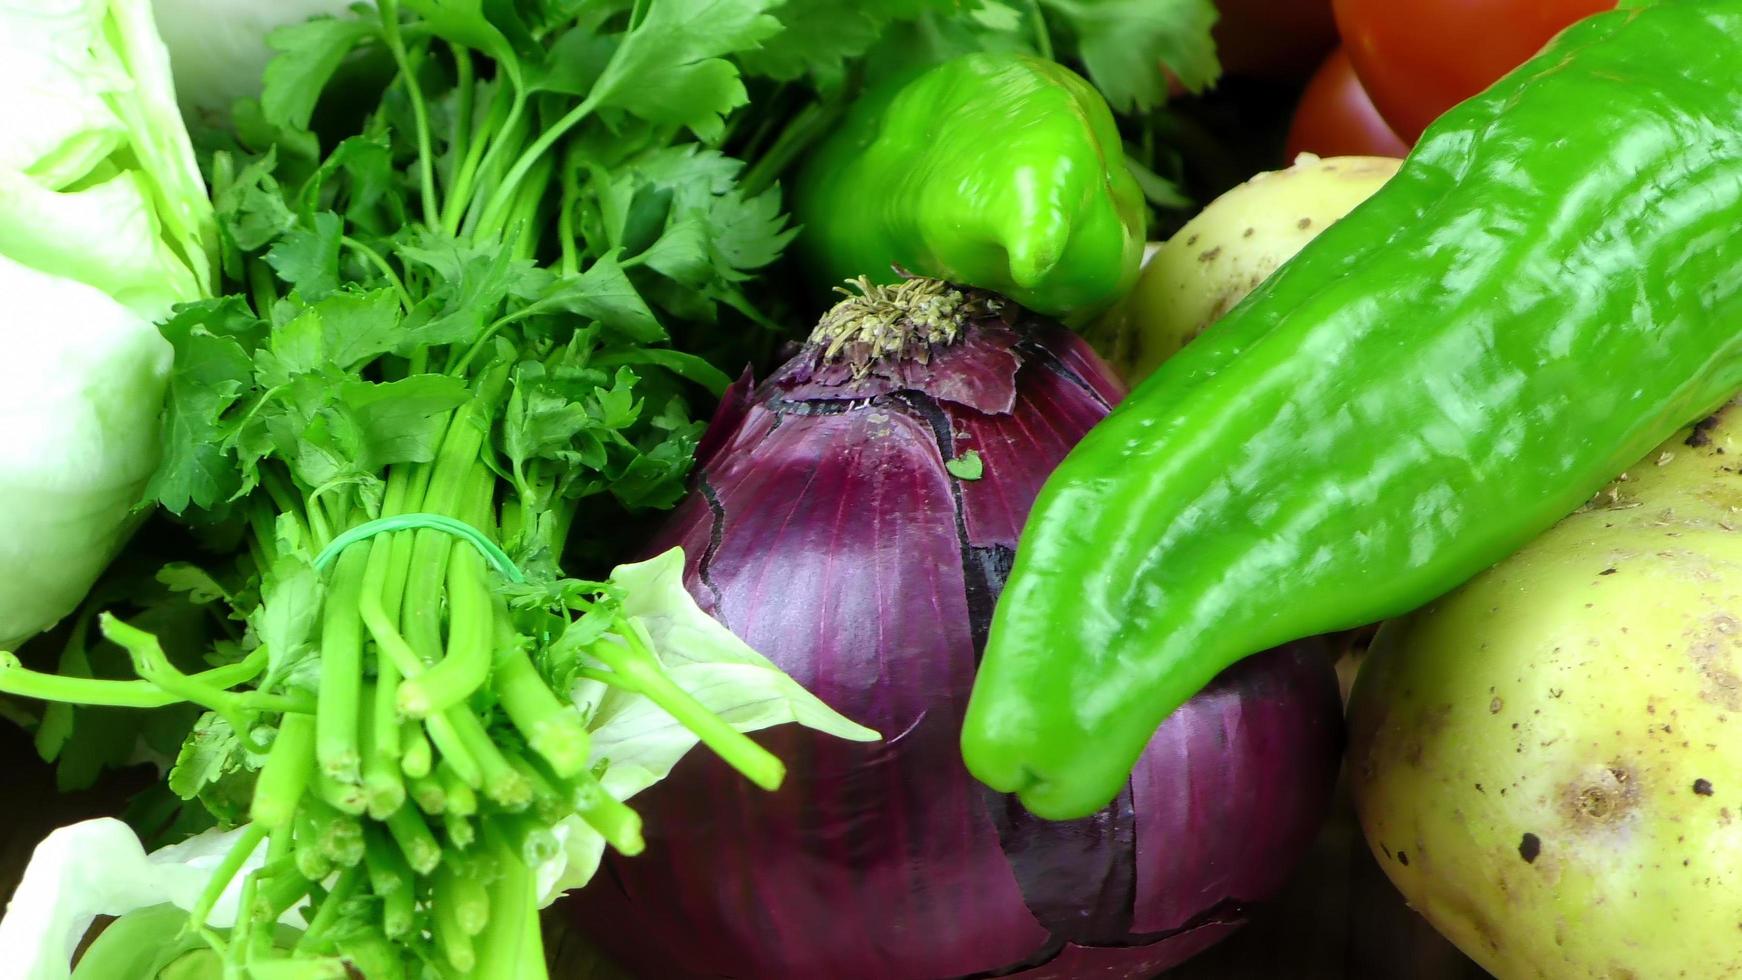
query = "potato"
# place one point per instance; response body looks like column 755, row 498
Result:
column 1548, row 761
column 1229, row 248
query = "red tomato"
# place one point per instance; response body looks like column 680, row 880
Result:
column 1280, row 39
column 1335, row 118
column 1419, row 58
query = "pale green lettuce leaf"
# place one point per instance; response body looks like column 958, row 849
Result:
column 90, row 105
column 98, row 867
column 638, row 742
column 78, row 439
column 104, row 225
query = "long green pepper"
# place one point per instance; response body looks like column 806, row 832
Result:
column 1550, row 286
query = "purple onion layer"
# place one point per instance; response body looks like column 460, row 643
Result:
column 827, row 532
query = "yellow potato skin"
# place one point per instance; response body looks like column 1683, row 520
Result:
column 1230, row 247
column 1547, row 762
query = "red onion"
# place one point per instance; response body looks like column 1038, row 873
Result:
column 827, row 531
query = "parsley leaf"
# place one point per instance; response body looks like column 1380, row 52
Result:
column 1122, row 41
column 671, row 67
column 212, row 373
column 308, row 257
column 819, row 37
column 604, row 293
column 308, row 55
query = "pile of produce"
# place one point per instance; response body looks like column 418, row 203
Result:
column 355, row 483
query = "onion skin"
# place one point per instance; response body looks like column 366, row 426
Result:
column 826, row 531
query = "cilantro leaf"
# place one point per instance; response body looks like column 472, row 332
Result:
column 486, row 25
column 671, row 67
column 1121, row 41
column 684, row 365
column 472, row 281
column 308, row 257
column 296, row 348
column 250, row 207
column 819, row 37
column 196, row 583
column 358, row 325
column 366, row 164
column 212, row 372
column 288, row 614
column 215, row 768
column 605, row 294
column 308, row 55
column 402, row 421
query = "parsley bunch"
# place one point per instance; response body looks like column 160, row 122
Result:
column 437, row 340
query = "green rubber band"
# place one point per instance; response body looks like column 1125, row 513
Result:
column 497, row 558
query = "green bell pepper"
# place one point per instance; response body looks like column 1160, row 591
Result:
column 1002, row 171
column 1550, row 286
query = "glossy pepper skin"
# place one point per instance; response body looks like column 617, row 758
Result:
column 1002, row 171
column 1550, row 286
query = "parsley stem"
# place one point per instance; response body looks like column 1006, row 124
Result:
column 16, row 679
column 386, row 867
column 511, row 945
column 311, row 860
column 398, row 913
column 501, row 782
column 340, row 834
column 260, row 285
column 444, row 735
column 251, row 837
column 415, row 758
column 383, row 266
column 800, row 133
column 383, row 789
column 461, row 830
column 282, row 781
column 383, row 593
column 287, row 502
column 415, row 841
column 551, row 728
column 427, row 793
column 151, row 665
column 299, row 703
column 465, row 894
column 628, row 652
column 523, row 219
column 465, row 92
column 391, row 881
column 459, row 799
column 531, row 841
column 346, row 797
column 612, row 818
column 452, row 939
column 569, row 181
column 552, row 796
column 471, row 621
column 503, row 196
column 328, row 913
column 455, row 462
column 506, row 105
column 1042, row 37
column 284, row 887
column 466, row 666
column 338, row 714
column 242, row 932
column 419, row 112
